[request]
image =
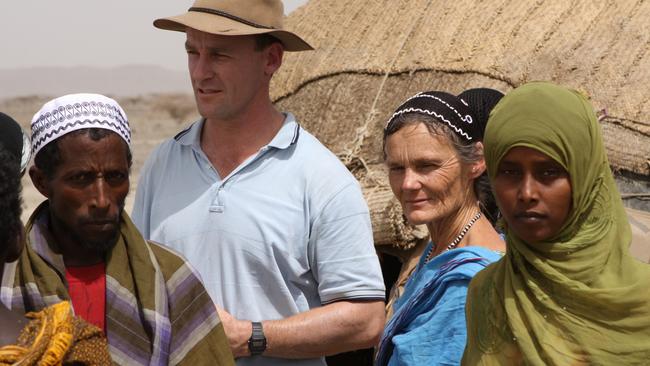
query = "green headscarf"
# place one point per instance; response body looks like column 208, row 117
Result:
column 579, row 297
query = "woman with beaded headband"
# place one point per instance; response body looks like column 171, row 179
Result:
column 434, row 157
column 567, row 291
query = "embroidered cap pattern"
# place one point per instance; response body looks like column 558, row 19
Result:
column 56, row 119
column 408, row 107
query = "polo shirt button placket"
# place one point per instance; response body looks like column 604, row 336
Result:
column 217, row 204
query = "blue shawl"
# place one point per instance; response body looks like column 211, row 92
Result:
column 428, row 327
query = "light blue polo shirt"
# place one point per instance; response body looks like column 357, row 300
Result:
column 287, row 231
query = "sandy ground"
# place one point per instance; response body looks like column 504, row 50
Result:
column 156, row 117
column 153, row 118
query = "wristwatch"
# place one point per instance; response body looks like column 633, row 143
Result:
column 257, row 341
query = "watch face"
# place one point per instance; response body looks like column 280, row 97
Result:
column 257, row 341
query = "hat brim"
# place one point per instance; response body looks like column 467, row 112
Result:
column 215, row 24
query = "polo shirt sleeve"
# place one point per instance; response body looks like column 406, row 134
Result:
column 342, row 254
column 141, row 214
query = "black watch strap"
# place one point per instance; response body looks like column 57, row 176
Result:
column 257, row 341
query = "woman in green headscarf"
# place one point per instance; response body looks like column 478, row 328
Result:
column 567, row 292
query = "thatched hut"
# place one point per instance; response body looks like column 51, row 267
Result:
column 372, row 54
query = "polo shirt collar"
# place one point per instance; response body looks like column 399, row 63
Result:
column 191, row 136
column 286, row 136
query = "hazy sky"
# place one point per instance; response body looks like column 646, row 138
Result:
column 101, row 33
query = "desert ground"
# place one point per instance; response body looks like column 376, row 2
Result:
column 153, row 118
column 156, row 117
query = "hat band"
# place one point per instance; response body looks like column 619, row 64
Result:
column 229, row 16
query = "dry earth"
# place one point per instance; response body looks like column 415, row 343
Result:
column 156, row 117
column 153, row 118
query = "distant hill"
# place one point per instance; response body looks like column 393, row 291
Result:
column 130, row 80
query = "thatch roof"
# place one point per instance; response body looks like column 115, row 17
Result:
column 372, row 54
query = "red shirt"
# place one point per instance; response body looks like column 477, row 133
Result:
column 87, row 289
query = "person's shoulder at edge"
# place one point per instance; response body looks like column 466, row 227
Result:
column 195, row 303
column 477, row 252
column 168, row 258
column 476, row 284
column 319, row 159
column 481, row 276
column 479, row 259
column 159, row 157
column 167, row 146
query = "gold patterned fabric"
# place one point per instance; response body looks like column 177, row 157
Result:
column 55, row 336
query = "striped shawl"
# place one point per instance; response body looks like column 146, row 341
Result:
column 157, row 310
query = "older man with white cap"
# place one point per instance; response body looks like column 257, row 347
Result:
column 275, row 224
column 82, row 247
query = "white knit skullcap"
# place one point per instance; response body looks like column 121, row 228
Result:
column 73, row 112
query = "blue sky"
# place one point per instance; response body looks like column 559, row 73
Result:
column 92, row 33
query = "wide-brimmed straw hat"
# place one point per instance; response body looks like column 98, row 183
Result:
column 236, row 18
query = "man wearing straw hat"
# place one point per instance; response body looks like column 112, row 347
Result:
column 274, row 223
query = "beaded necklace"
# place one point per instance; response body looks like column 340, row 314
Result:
column 458, row 238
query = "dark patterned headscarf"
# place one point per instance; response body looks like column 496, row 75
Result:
column 481, row 101
column 446, row 108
